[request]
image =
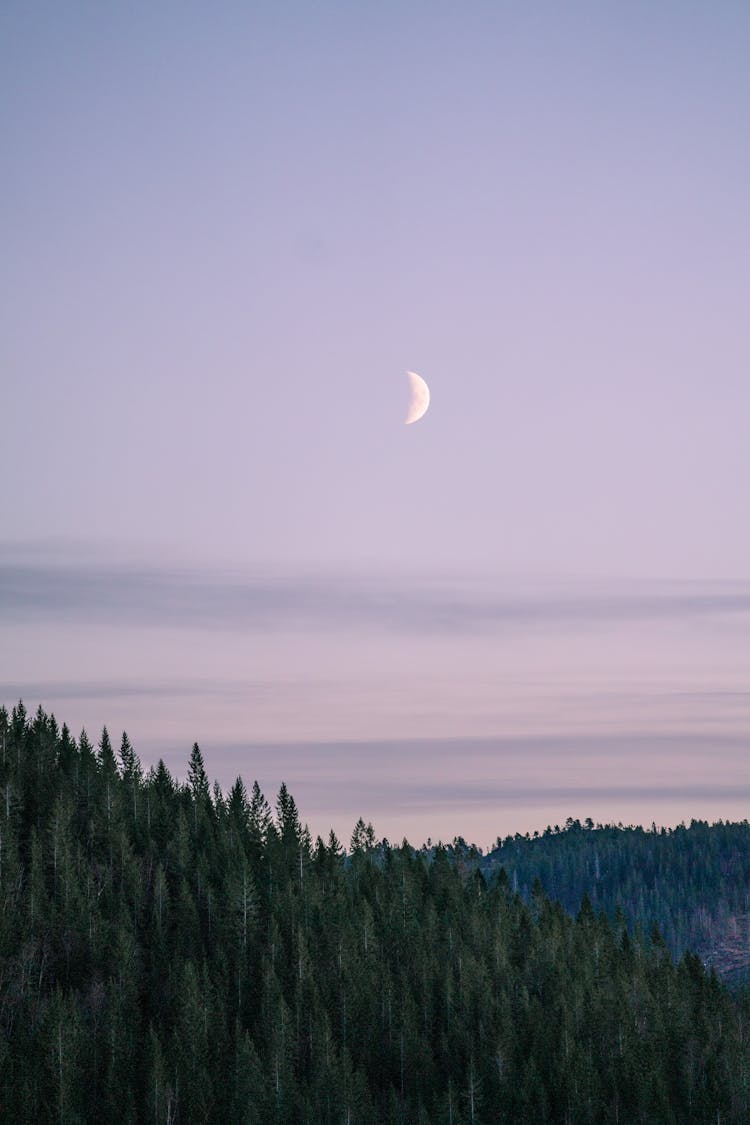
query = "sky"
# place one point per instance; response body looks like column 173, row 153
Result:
column 226, row 235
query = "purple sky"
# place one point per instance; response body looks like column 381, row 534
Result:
column 226, row 235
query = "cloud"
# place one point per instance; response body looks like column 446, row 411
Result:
column 96, row 594
column 491, row 768
column 63, row 690
column 453, row 781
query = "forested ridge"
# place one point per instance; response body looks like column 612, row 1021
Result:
column 692, row 881
column 171, row 953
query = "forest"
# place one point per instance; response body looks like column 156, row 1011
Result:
column 171, row 953
column 692, row 881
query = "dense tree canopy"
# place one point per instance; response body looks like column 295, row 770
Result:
column 693, row 882
column 169, row 953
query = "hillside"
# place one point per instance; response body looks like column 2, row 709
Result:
column 692, row 882
column 171, row 953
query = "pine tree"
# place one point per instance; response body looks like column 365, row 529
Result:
column 194, row 1087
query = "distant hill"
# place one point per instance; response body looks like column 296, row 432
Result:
column 692, row 882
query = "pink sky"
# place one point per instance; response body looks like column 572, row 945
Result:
column 225, row 240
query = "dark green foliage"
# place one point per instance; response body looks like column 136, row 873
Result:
column 171, row 955
column 690, row 882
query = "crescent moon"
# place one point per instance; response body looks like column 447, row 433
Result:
column 419, row 398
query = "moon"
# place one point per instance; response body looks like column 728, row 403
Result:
column 419, row 398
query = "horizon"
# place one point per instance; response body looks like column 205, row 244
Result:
column 310, row 771
column 557, row 825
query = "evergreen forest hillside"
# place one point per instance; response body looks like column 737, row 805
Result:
column 692, row 882
column 170, row 953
